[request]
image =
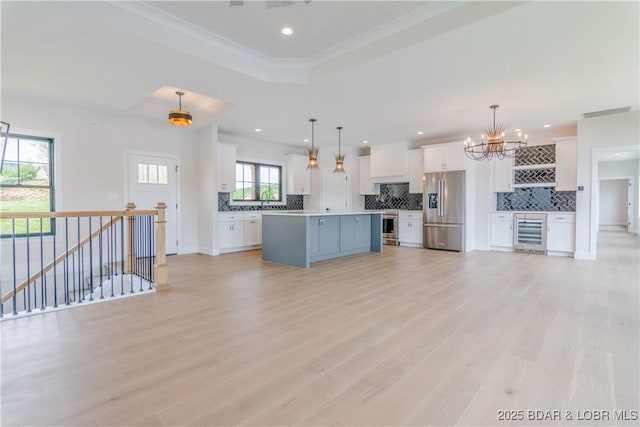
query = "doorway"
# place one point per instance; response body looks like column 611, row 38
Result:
column 153, row 178
column 615, row 206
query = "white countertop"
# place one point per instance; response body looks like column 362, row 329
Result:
column 536, row 212
column 318, row 213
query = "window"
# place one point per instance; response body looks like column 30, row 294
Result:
column 257, row 182
column 26, row 183
column 152, row 174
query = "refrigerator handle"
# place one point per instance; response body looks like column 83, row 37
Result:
column 441, row 191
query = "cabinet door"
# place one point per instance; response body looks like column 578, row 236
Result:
column 566, row 174
column 227, row 168
column 404, row 233
column 325, row 235
column 388, row 160
column 502, row 234
column 434, row 159
column 298, row 176
column 231, row 234
column 347, row 232
column 363, row 231
column 416, row 168
column 502, row 175
column 561, row 237
column 252, row 232
column 416, row 231
column 454, row 158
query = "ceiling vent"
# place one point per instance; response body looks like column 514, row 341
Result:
column 606, row 112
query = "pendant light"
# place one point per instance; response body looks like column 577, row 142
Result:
column 339, row 157
column 312, row 152
column 180, row 117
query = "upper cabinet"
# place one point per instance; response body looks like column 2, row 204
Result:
column 388, row 160
column 502, row 175
column 444, row 157
column 416, row 168
column 365, row 184
column 566, row 157
column 298, row 176
column 227, row 168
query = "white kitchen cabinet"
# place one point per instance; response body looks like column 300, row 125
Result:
column 502, row 175
column 298, row 176
column 410, row 228
column 416, row 168
column 252, row 229
column 501, row 234
column 227, row 168
column 388, row 160
column 231, row 230
column 561, row 233
column 566, row 158
column 444, row 157
column 365, row 184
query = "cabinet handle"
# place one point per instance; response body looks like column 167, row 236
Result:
column 560, row 217
column 357, row 219
column 321, row 221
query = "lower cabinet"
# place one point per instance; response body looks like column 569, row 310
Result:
column 501, row 235
column 239, row 230
column 324, row 236
column 561, row 233
column 355, row 232
column 410, row 228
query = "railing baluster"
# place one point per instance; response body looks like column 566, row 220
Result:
column 28, row 271
column 43, row 295
column 152, row 254
column 111, row 263
column 66, row 261
column 134, row 258
column 15, row 278
column 55, row 272
column 122, row 252
column 80, row 265
column 90, row 263
column 100, row 258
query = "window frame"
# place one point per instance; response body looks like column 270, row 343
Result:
column 35, row 136
column 257, row 182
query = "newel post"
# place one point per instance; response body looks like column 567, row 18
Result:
column 130, row 245
column 160, row 268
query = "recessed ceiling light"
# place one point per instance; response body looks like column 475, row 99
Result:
column 287, row 31
column 517, row 130
column 258, row 130
column 365, row 142
column 420, row 133
column 616, row 154
column 306, row 140
column 547, row 126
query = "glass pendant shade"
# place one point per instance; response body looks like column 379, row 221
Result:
column 180, row 117
column 495, row 144
column 339, row 157
column 312, row 152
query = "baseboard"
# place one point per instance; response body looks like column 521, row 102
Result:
column 188, row 250
column 584, row 255
column 205, row 250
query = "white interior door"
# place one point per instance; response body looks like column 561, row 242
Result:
column 153, row 179
column 336, row 191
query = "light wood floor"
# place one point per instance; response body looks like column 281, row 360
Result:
column 409, row 336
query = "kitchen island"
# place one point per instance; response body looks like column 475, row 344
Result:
column 300, row 238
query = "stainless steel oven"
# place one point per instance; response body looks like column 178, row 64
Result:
column 390, row 228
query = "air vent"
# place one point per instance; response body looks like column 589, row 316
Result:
column 606, row 112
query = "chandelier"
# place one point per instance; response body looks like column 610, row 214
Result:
column 495, row 144
column 180, row 117
column 339, row 157
column 312, row 152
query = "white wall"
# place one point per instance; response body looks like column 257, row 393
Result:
column 599, row 133
column 92, row 145
column 207, row 143
column 613, row 201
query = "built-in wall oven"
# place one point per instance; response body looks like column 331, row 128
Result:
column 390, row 228
column 530, row 232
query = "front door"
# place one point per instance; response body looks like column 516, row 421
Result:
column 153, row 179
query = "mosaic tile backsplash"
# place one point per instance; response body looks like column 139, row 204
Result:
column 394, row 196
column 295, row 202
column 535, row 176
column 536, row 155
column 537, row 199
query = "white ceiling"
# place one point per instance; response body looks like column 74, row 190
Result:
column 383, row 72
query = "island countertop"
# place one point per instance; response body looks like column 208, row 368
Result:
column 320, row 213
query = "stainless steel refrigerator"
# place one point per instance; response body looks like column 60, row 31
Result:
column 443, row 206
